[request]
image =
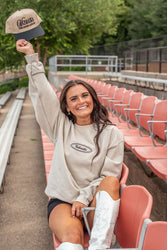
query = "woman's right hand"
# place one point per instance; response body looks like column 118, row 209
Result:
column 24, row 47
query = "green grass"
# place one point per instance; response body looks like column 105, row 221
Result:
column 13, row 85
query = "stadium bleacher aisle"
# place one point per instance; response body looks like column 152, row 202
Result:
column 23, row 205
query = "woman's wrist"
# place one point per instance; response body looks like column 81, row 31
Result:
column 30, row 52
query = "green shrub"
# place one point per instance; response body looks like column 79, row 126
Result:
column 73, row 68
column 12, row 85
column 23, row 82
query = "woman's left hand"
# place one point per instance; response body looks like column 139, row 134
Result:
column 77, row 209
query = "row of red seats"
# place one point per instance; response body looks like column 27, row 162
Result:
column 142, row 119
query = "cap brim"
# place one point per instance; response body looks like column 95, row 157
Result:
column 30, row 34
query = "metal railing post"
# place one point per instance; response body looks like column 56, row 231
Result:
column 116, row 64
column 86, row 64
column 160, row 60
column 55, row 63
column 70, row 64
column 147, row 62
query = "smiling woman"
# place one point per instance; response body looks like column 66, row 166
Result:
column 88, row 156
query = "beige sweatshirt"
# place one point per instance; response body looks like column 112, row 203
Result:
column 72, row 176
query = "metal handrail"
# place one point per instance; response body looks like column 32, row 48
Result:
column 144, row 79
column 109, row 62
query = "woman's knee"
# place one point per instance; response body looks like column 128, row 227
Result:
column 111, row 185
column 64, row 226
column 110, row 181
column 73, row 234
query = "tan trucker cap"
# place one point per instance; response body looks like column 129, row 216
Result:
column 24, row 24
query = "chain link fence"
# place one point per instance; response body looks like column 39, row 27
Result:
column 148, row 55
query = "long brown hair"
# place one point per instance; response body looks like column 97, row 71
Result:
column 99, row 114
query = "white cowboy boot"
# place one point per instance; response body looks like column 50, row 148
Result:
column 69, row 246
column 106, row 214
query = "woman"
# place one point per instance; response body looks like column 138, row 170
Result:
column 87, row 160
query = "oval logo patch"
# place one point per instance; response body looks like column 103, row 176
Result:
column 81, row 148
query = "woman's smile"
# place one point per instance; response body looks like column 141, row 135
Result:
column 84, row 107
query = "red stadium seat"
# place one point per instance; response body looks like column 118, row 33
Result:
column 119, row 94
column 146, row 114
column 152, row 237
column 159, row 167
column 111, row 94
column 135, row 206
column 130, row 111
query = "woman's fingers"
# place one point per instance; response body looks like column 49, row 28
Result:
column 77, row 212
column 77, row 209
column 73, row 211
column 21, row 43
column 25, row 47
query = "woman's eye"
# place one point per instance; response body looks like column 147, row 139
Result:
column 85, row 95
column 73, row 99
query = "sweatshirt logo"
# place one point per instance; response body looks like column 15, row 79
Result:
column 80, row 147
column 24, row 23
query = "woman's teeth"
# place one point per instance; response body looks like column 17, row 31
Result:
column 82, row 107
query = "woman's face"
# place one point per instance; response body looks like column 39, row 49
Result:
column 80, row 103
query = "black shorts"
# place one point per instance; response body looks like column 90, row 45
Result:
column 53, row 203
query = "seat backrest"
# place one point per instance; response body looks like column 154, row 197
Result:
column 155, row 237
column 126, row 100
column 135, row 103
column 147, row 107
column 111, row 94
column 119, row 93
column 111, row 91
column 96, row 85
column 105, row 92
column 127, row 95
column 124, row 174
column 101, row 87
column 92, row 83
column 160, row 115
column 106, row 89
column 135, row 207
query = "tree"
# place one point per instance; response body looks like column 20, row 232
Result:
column 158, row 17
column 140, row 24
column 71, row 27
column 147, row 19
column 122, row 21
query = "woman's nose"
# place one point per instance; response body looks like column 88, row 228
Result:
column 81, row 99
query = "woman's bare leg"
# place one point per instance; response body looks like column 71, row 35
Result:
column 66, row 228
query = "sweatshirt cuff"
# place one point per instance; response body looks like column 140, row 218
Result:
column 83, row 200
column 32, row 58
